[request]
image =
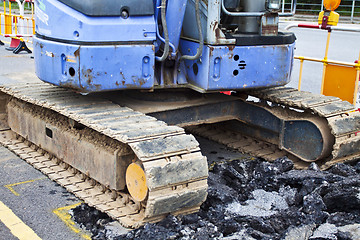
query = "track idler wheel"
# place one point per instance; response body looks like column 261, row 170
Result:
column 136, row 181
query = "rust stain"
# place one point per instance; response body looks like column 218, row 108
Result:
column 215, row 26
column 87, row 74
column 122, row 81
column 77, row 52
column 231, row 47
column 217, row 33
column 122, row 75
column 137, row 82
column 49, row 54
column 231, row 51
column 211, row 50
column 77, row 55
column 98, row 87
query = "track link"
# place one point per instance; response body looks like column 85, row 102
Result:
column 342, row 119
column 175, row 169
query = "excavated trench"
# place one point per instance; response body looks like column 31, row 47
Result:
column 253, row 199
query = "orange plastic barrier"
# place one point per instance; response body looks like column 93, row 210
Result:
column 18, row 27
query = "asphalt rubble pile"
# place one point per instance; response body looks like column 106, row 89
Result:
column 258, row 200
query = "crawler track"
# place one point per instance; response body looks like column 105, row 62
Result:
column 175, row 169
column 78, row 141
column 342, row 120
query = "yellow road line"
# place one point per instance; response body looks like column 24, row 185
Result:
column 10, row 186
column 63, row 214
column 17, row 227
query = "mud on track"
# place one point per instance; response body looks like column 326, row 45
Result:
column 255, row 199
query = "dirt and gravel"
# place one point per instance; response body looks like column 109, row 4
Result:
column 253, row 199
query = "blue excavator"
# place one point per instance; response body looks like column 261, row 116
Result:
column 126, row 82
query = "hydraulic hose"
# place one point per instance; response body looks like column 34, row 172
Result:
column 157, row 28
column 201, row 38
column 166, row 33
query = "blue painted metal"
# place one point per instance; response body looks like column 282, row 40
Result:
column 93, row 53
column 56, row 20
column 303, row 138
column 238, row 67
column 95, row 68
column 174, row 17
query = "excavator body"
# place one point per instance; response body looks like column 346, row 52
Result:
column 87, row 47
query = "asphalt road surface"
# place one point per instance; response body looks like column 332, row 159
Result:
column 38, row 202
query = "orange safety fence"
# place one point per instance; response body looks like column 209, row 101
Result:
column 339, row 79
column 20, row 27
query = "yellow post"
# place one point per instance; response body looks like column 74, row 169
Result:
column 33, row 25
column 16, row 26
column 8, row 27
column 0, row 23
column 357, row 81
column 300, row 74
column 325, row 61
column 32, row 9
column 32, row 17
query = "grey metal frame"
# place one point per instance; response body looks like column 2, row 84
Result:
column 351, row 5
column 259, row 14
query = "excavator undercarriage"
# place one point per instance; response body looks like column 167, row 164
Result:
column 97, row 145
column 131, row 161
